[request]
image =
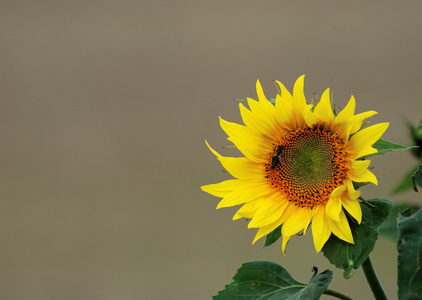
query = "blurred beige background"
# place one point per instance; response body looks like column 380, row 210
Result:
column 104, row 108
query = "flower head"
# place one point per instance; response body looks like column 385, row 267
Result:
column 300, row 162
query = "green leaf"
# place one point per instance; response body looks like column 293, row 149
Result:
column 347, row 256
column 272, row 237
column 384, row 146
column 406, row 183
column 409, row 247
column 265, row 280
column 417, row 178
column 315, row 288
column 389, row 228
column 416, row 135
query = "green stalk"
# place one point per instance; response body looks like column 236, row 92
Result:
column 337, row 294
column 373, row 281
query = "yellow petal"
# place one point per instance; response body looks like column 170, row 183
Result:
column 255, row 123
column 252, row 146
column 297, row 221
column 323, row 111
column 298, row 95
column 353, row 208
column 212, row 150
column 284, row 243
column 338, row 191
column 253, row 152
column 285, row 94
column 243, row 168
column 238, row 131
column 299, row 101
column 342, row 120
column 248, row 209
column 271, row 210
column 364, row 152
column 266, row 230
column 260, row 110
column 284, row 113
column 360, row 172
column 310, row 118
column 365, row 138
column 351, row 192
column 356, row 121
column 240, row 167
column 341, row 229
column 359, row 166
column 233, row 199
column 221, row 189
column 265, row 106
column 237, row 217
column 347, row 112
column 260, row 92
column 333, row 208
column 320, row 229
column 245, row 191
column 265, row 111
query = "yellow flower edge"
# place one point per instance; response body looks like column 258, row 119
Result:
column 299, row 165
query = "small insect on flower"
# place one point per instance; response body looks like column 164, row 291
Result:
column 277, row 157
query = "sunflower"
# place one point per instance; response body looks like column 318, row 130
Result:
column 300, row 165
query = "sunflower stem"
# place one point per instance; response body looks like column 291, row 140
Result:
column 337, row 294
column 373, row 281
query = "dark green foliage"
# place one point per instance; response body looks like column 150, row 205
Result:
column 389, row 228
column 417, row 178
column 347, row 256
column 272, row 237
column 384, row 146
column 409, row 247
column 265, row 280
column 406, row 182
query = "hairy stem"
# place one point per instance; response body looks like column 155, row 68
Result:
column 337, row 294
column 373, row 281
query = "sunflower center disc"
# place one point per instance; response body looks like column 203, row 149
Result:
column 308, row 165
